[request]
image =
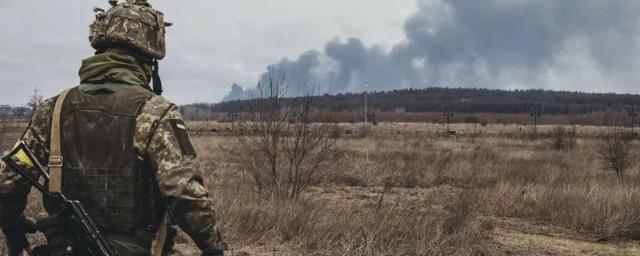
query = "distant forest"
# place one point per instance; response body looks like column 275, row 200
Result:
column 460, row 100
column 427, row 105
column 21, row 112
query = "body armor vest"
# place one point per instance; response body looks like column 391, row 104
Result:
column 102, row 168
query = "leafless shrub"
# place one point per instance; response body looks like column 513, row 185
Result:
column 563, row 138
column 285, row 150
column 617, row 152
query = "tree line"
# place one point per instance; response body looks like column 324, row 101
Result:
column 427, row 100
column 461, row 100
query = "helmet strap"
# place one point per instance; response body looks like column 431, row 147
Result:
column 157, row 83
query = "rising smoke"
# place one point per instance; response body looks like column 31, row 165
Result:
column 587, row 45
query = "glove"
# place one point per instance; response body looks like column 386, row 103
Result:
column 16, row 239
column 16, row 244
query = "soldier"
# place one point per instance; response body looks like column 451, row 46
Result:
column 121, row 149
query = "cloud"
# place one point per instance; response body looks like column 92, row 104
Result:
column 208, row 43
column 587, row 45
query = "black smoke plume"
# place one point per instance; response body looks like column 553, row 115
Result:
column 588, row 45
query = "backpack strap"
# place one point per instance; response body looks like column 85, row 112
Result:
column 55, row 152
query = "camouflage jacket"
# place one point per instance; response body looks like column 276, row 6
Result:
column 177, row 174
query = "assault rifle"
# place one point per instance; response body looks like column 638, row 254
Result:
column 72, row 214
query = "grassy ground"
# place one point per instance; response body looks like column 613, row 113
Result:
column 407, row 189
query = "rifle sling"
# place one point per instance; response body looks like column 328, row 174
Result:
column 157, row 247
column 55, row 152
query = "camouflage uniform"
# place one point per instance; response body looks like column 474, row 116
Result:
column 160, row 137
column 176, row 169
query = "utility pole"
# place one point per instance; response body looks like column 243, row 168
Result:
column 366, row 112
column 447, row 115
column 633, row 114
column 35, row 99
column 536, row 114
column 35, row 96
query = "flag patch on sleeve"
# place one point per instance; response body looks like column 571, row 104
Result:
column 180, row 131
column 180, row 125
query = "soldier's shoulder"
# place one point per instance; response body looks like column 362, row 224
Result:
column 50, row 101
column 159, row 101
column 44, row 109
column 41, row 118
column 46, row 106
column 151, row 115
column 157, row 105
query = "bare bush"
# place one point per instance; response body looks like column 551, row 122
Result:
column 616, row 151
column 563, row 138
column 283, row 149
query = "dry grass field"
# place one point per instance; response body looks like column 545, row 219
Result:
column 409, row 189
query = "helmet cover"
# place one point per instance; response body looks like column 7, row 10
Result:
column 133, row 24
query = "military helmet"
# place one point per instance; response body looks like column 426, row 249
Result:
column 133, row 24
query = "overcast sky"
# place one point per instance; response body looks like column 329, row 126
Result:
column 586, row 45
column 212, row 44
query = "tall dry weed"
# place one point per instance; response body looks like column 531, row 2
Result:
column 405, row 190
column 410, row 163
column 568, row 190
column 327, row 228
